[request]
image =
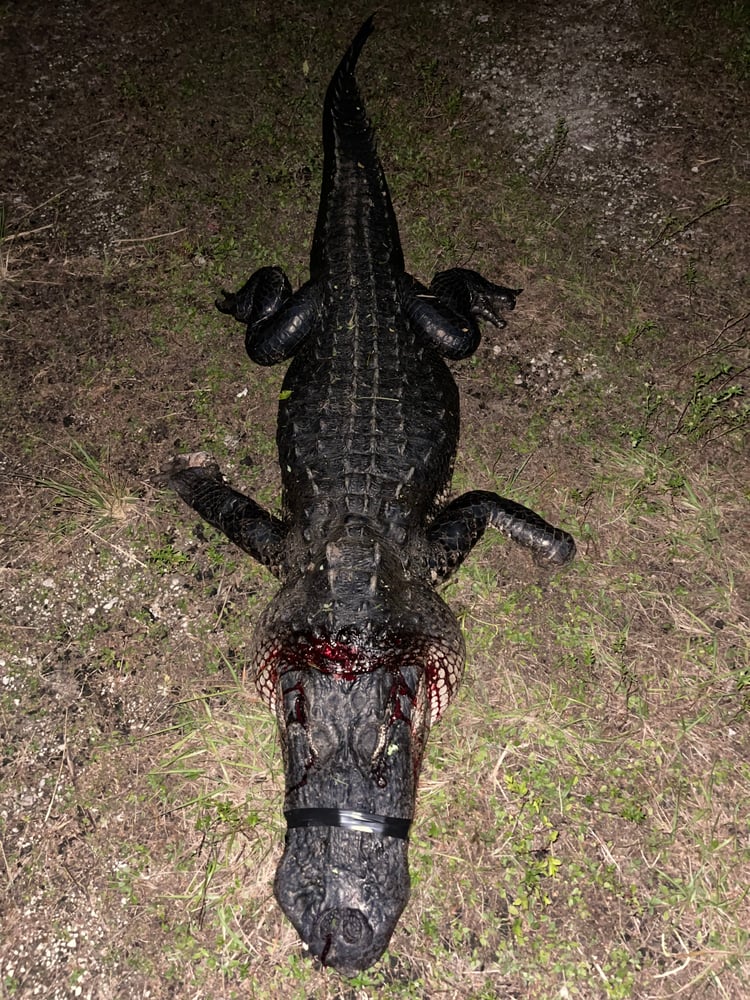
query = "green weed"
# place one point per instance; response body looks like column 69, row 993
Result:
column 166, row 558
column 715, row 406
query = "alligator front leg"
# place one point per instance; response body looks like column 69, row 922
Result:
column 468, row 293
column 457, row 529
column 277, row 320
column 198, row 480
column 447, row 312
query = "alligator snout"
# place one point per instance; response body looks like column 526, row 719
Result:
column 340, row 937
column 344, row 892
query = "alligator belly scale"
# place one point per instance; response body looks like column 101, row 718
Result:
column 357, row 655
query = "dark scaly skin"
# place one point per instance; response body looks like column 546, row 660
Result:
column 357, row 654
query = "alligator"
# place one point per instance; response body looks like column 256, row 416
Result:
column 357, row 655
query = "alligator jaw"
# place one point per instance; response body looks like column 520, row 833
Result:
column 352, row 748
column 353, row 731
column 344, row 892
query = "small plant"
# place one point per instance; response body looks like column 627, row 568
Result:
column 691, row 278
column 674, row 226
column 95, row 491
column 636, row 330
column 538, row 861
column 652, row 404
column 166, row 558
column 713, row 407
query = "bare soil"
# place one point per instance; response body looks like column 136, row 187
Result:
column 595, row 153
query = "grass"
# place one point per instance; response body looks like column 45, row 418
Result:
column 91, row 492
column 214, row 774
column 600, row 764
column 12, row 244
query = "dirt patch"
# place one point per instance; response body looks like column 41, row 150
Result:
column 602, row 115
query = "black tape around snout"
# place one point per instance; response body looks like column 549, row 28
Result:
column 350, row 819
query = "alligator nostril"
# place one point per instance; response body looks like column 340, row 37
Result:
column 342, row 929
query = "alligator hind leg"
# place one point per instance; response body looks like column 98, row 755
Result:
column 457, row 529
column 277, row 320
column 199, row 482
column 447, row 312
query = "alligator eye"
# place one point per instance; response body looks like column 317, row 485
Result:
column 295, row 706
column 324, row 740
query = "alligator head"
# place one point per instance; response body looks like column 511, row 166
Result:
column 341, row 886
column 354, row 707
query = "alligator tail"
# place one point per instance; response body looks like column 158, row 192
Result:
column 353, row 178
column 343, row 102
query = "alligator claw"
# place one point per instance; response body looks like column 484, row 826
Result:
column 489, row 305
column 471, row 294
column 227, row 303
column 200, row 463
column 259, row 298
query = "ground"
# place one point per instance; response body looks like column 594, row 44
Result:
column 582, row 828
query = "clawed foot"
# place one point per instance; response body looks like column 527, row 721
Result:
column 469, row 293
column 260, row 297
column 490, row 303
column 199, row 463
column 227, row 303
